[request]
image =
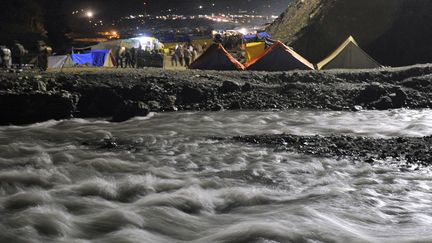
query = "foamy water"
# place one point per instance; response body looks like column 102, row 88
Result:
column 169, row 181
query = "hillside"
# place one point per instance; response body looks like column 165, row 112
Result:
column 395, row 32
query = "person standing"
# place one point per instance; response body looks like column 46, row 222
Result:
column 128, row 58
column 174, row 58
column 5, row 57
column 180, row 55
column 18, row 54
column 43, row 52
column 187, row 57
column 194, row 55
column 120, row 57
column 133, row 53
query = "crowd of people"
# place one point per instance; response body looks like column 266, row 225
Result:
column 184, row 55
column 138, row 57
column 14, row 57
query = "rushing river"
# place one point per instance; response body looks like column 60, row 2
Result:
column 177, row 184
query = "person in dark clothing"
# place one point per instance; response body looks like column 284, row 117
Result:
column 18, row 54
column 128, row 58
column 43, row 52
column 180, row 54
column 140, row 58
column 187, row 57
column 120, row 56
column 133, row 53
column 174, row 58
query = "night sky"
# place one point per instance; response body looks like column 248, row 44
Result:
column 124, row 7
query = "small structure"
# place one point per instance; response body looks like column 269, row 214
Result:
column 61, row 61
column 216, row 58
column 348, row 56
column 254, row 49
column 96, row 58
column 257, row 36
column 279, row 57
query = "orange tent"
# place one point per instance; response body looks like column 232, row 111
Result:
column 279, row 57
column 216, row 58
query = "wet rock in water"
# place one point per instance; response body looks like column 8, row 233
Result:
column 357, row 108
column 190, row 95
column 229, row 87
column 414, row 150
column 130, row 109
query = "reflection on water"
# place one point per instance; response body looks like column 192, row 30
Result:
column 180, row 185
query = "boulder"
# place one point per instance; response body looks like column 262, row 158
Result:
column 98, row 102
column 190, row 95
column 229, row 87
column 130, row 109
column 384, row 103
column 371, row 93
column 25, row 108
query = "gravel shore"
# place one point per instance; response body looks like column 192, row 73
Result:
column 30, row 97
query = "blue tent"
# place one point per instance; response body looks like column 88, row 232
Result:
column 94, row 58
column 82, row 59
column 99, row 57
column 262, row 35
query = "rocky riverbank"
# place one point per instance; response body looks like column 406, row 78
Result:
column 405, row 152
column 88, row 93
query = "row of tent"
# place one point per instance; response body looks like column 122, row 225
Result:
column 280, row 57
column 101, row 54
column 95, row 58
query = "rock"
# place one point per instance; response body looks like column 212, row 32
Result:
column 371, row 93
column 229, row 87
column 418, row 83
column 41, row 86
column 154, row 105
column 235, row 105
column 217, row 107
column 384, row 103
column 130, row 109
column 190, row 95
column 247, row 87
column 357, row 108
column 25, row 108
column 98, row 102
column 399, row 98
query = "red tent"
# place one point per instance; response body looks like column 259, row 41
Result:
column 216, row 58
column 279, row 57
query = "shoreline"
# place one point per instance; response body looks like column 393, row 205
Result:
column 31, row 97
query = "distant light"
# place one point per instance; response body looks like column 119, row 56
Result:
column 200, row 7
column 89, row 14
column 243, row 31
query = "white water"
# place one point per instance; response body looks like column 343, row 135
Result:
column 179, row 185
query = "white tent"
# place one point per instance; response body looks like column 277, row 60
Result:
column 60, row 61
column 109, row 60
column 348, row 56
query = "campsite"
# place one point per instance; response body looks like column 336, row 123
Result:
column 222, row 121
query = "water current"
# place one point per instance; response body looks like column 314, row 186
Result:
column 176, row 183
